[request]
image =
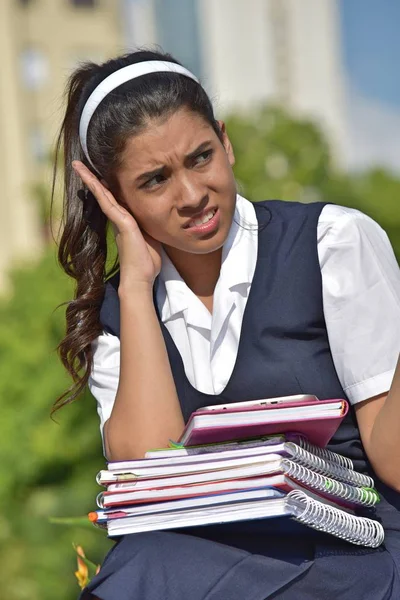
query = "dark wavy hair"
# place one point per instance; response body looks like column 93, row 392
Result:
column 83, row 244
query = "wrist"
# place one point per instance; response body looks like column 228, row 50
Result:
column 136, row 289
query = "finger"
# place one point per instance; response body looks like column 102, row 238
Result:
column 94, row 185
column 108, row 204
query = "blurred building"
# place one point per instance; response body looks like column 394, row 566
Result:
column 245, row 51
column 41, row 41
column 250, row 51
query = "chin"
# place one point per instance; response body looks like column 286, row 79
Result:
column 210, row 250
column 207, row 245
column 204, row 246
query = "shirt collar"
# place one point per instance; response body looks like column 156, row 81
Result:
column 239, row 257
column 172, row 291
column 239, row 254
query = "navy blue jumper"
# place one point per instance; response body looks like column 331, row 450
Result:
column 283, row 349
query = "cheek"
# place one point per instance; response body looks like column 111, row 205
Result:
column 222, row 176
column 152, row 220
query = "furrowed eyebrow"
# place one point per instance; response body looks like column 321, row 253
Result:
column 150, row 174
column 203, row 146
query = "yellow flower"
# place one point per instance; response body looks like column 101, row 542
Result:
column 82, row 574
column 86, row 568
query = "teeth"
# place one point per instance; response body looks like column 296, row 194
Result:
column 205, row 218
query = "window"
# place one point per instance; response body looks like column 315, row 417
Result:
column 177, row 26
column 34, row 68
column 84, row 3
column 38, row 147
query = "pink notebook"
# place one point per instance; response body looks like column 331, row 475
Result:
column 317, row 421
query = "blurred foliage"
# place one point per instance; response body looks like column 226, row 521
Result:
column 48, row 469
column 278, row 156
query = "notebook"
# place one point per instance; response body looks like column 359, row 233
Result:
column 317, row 421
column 300, row 452
column 296, row 504
column 244, row 467
column 174, row 504
column 120, row 497
column 266, row 440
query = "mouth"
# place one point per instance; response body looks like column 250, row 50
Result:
column 204, row 222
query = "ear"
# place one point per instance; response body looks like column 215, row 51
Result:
column 117, row 197
column 227, row 143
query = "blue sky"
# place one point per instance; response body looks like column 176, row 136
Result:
column 371, row 46
column 371, row 55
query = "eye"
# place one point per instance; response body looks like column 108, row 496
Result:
column 203, row 157
column 154, row 181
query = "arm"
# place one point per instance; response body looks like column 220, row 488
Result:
column 379, row 423
column 361, row 284
column 146, row 412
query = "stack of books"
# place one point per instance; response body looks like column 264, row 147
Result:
column 233, row 463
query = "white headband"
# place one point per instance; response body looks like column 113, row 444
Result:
column 115, row 80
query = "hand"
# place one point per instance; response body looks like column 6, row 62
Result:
column 139, row 254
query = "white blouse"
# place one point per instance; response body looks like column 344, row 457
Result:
column 361, row 297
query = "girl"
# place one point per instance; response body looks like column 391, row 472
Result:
column 215, row 300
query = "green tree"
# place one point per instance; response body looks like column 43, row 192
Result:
column 278, row 156
column 378, row 194
column 47, row 468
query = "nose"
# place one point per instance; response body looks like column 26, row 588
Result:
column 191, row 193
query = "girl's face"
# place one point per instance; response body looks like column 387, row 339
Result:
column 176, row 179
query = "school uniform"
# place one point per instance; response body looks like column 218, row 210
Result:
column 304, row 304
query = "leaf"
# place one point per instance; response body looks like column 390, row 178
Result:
column 71, row 521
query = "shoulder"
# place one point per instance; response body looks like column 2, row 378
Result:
column 291, row 205
column 340, row 224
column 291, row 216
column 291, row 210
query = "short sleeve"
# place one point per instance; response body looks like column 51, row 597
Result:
column 361, row 296
column 104, row 377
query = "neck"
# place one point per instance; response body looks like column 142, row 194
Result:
column 200, row 272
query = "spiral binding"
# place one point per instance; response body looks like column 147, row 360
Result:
column 325, row 454
column 320, row 465
column 323, row 517
column 356, row 495
column 100, row 500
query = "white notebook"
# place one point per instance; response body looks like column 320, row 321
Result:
column 126, row 500
column 252, row 466
column 302, row 453
column 296, row 504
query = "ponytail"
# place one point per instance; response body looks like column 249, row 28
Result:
column 82, row 249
